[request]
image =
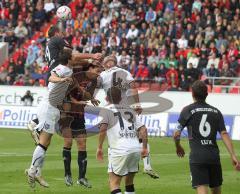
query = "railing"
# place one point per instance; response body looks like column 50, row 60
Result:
column 217, row 86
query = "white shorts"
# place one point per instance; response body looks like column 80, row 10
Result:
column 122, row 165
column 48, row 117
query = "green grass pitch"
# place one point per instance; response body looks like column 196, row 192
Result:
column 16, row 147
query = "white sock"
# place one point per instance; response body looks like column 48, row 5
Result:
column 146, row 160
column 37, row 159
column 129, row 192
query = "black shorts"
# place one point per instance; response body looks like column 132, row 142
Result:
column 206, row 174
column 78, row 127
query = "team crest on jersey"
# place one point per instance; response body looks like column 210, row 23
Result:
column 46, row 126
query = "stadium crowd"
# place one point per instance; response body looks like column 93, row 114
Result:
column 178, row 41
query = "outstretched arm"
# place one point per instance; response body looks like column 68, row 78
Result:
column 101, row 138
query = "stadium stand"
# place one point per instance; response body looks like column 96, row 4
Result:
column 165, row 41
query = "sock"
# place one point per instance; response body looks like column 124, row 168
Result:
column 38, row 158
column 129, row 189
column 82, row 163
column 36, row 121
column 146, row 160
column 116, row 191
column 67, row 160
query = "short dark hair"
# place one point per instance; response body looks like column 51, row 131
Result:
column 52, row 30
column 114, row 95
column 199, row 91
column 64, row 56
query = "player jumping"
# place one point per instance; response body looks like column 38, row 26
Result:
column 118, row 77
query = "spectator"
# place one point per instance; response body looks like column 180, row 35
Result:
column 213, row 60
column 172, row 77
column 142, row 72
column 183, row 83
column 192, row 74
column 162, row 71
column 194, row 60
column 153, row 58
column 154, row 72
column 124, row 60
column 212, row 71
column 27, row 99
column 132, row 32
column 150, row 15
column 20, row 32
column 182, row 43
column 33, row 51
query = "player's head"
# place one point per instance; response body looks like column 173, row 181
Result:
column 64, row 56
column 114, row 95
column 53, row 31
column 109, row 61
column 93, row 70
column 199, row 91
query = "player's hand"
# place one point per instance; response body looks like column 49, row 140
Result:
column 99, row 155
column 180, row 151
column 95, row 102
column 67, row 79
column 235, row 162
column 97, row 56
column 144, row 152
column 138, row 109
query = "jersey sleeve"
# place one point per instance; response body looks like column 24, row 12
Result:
column 183, row 119
column 221, row 126
column 138, row 122
column 104, row 116
column 129, row 78
column 99, row 82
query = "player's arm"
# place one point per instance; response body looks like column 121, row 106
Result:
column 228, row 143
column 182, row 122
column 80, row 56
column 144, row 137
column 134, row 93
column 54, row 78
column 102, row 135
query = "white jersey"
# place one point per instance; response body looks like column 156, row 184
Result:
column 122, row 129
column 57, row 91
column 119, row 77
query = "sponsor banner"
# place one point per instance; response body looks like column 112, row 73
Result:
column 16, row 117
column 236, row 129
column 155, row 123
column 172, row 123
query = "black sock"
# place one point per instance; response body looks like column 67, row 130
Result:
column 36, row 121
column 129, row 188
column 82, row 163
column 116, row 191
column 67, row 160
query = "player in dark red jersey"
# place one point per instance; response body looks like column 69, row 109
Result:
column 203, row 122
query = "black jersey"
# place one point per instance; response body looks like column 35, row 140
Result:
column 203, row 121
column 54, row 46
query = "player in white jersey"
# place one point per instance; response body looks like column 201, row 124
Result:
column 122, row 128
column 49, row 113
column 115, row 76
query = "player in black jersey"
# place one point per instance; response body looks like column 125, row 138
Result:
column 55, row 46
column 73, row 121
column 203, row 121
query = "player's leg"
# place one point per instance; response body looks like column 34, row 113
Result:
column 38, row 157
column 200, row 177
column 216, row 190
column 114, row 183
column 147, row 164
column 33, row 130
column 81, row 140
column 66, row 153
column 203, row 189
column 129, row 184
column 215, row 172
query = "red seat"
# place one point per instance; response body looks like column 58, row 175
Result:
column 217, row 89
column 155, row 87
column 234, row 91
column 145, row 85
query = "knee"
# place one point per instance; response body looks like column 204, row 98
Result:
column 68, row 142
